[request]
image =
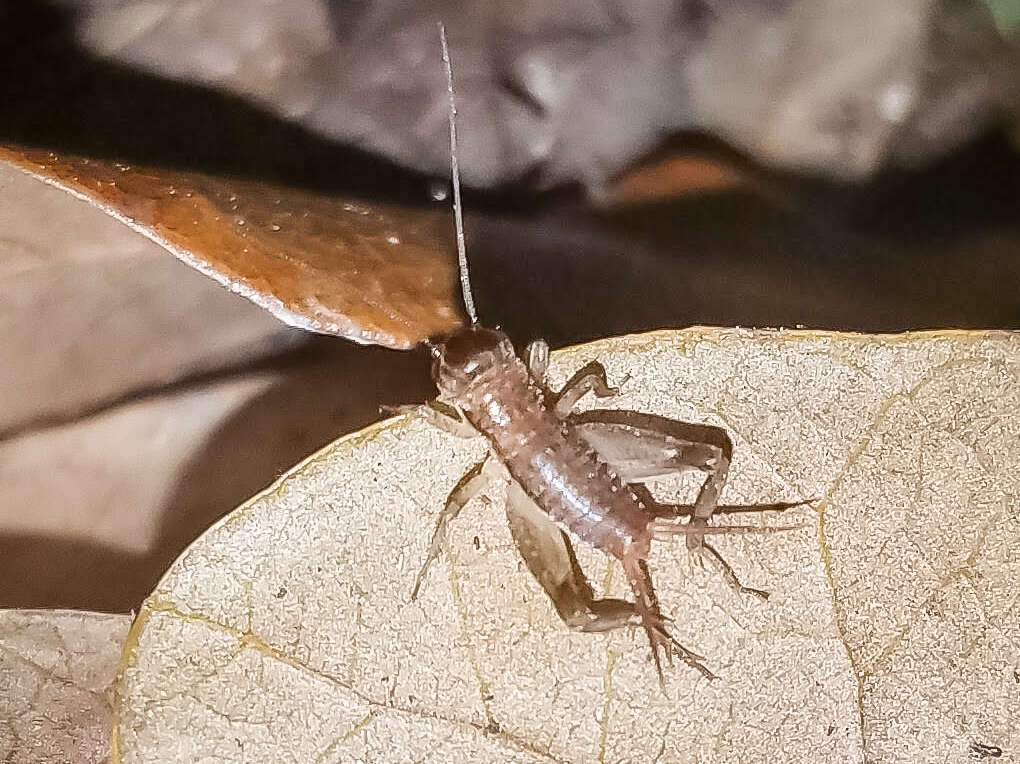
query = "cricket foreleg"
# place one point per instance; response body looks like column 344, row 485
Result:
column 439, row 414
column 470, row 485
column 536, row 356
column 589, row 378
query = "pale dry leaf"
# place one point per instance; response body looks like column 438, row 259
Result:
column 56, row 672
column 288, row 630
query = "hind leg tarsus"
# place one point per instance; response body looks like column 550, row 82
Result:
column 647, row 607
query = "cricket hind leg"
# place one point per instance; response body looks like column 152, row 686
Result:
column 642, row 446
column 666, row 522
column 549, row 555
column 472, row 483
column 646, row 605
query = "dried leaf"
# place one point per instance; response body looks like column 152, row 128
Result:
column 371, row 272
column 891, row 633
column 106, row 499
column 674, row 174
column 83, row 298
column 56, row 668
column 141, row 401
column 115, row 497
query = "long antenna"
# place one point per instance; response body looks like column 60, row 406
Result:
column 465, row 280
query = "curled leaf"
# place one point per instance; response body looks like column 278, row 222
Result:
column 371, row 272
column 288, row 630
column 84, row 298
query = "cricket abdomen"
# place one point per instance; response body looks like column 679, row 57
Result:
column 559, row 471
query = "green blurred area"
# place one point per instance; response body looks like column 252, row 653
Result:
column 1006, row 13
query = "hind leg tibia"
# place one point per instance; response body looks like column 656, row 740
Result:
column 668, row 523
column 646, row 604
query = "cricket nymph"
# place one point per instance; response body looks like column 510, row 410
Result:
column 569, row 471
column 579, row 473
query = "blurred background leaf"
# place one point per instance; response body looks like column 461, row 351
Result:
column 57, row 668
column 573, row 91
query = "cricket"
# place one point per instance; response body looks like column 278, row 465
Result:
column 571, row 472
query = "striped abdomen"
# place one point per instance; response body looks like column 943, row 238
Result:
column 556, row 467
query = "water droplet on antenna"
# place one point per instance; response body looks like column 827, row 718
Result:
column 439, row 190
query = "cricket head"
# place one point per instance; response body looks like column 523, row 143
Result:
column 467, row 355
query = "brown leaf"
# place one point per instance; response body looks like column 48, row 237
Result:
column 371, row 272
column 288, row 630
column 93, row 313
column 674, row 174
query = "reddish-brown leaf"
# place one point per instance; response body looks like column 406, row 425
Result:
column 371, row 272
column 674, row 174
